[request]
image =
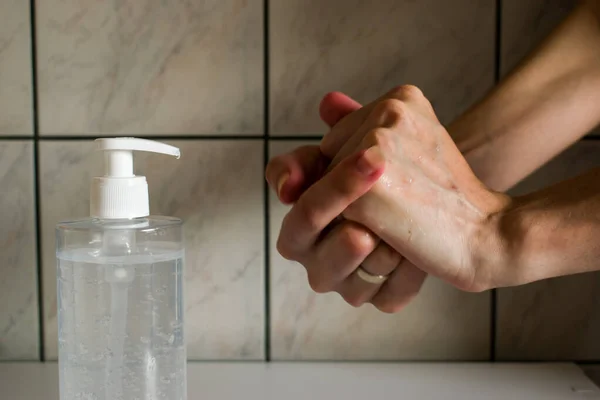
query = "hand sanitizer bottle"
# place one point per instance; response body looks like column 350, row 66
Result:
column 120, row 289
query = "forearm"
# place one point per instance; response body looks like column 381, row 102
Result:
column 551, row 233
column 544, row 106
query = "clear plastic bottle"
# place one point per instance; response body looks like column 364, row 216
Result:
column 120, row 293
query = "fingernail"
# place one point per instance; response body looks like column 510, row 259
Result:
column 370, row 161
column 282, row 182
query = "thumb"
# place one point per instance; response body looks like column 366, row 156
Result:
column 335, row 106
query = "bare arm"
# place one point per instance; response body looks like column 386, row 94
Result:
column 551, row 233
column 550, row 101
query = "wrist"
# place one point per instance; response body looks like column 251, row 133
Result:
column 509, row 244
column 493, row 248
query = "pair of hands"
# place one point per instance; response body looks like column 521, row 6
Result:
column 387, row 190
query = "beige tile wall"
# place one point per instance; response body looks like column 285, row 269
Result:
column 15, row 69
column 19, row 328
column 366, row 48
column 188, row 69
column 150, row 67
column 556, row 319
column 215, row 187
column 525, row 24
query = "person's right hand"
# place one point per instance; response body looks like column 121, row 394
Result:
column 427, row 203
column 345, row 244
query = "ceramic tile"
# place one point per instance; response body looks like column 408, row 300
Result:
column 555, row 319
column 593, row 372
column 365, row 48
column 150, row 67
column 217, row 188
column 19, row 328
column 525, row 24
column 15, row 69
column 441, row 324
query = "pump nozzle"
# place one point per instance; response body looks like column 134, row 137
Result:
column 119, row 194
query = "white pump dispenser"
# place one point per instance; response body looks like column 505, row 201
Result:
column 119, row 194
column 120, row 288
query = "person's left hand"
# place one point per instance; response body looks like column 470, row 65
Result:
column 428, row 205
column 345, row 245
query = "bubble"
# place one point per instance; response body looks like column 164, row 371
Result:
column 151, row 364
column 120, row 273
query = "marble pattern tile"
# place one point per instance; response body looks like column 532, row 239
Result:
column 15, row 69
column 525, row 24
column 216, row 187
column 150, row 67
column 365, row 48
column 593, row 372
column 19, row 328
column 555, row 319
column 441, row 324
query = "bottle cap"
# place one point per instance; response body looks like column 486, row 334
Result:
column 120, row 194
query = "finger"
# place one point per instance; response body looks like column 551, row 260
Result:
column 343, row 136
column 326, row 199
column 335, row 106
column 340, row 133
column 385, row 119
column 290, row 174
column 400, row 288
column 338, row 254
column 382, row 261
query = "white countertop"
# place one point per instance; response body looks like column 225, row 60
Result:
column 346, row 381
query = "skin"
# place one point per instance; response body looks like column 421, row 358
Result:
column 436, row 201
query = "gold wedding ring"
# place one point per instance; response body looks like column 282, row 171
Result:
column 370, row 278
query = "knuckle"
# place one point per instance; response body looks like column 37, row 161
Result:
column 354, row 300
column 382, row 137
column 407, row 92
column 389, row 307
column 391, row 112
column 285, row 249
column 317, row 284
column 412, row 92
column 273, row 168
column 357, row 242
column 308, row 215
column 392, row 107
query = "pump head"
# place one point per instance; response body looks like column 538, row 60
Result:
column 119, row 194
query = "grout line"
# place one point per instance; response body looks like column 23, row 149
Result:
column 295, row 138
column 36, row 172
column 497, row 77
column 166, row 137
column 154, row 137
column 498, row 43
column 10, row 138
column 362, row 361
column 287, row 138
column 267, row 237
column 16, row 138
